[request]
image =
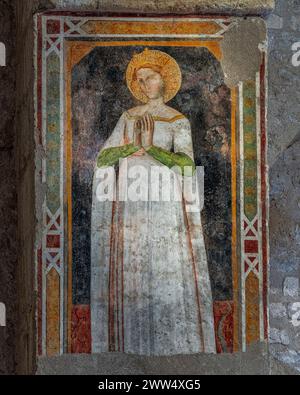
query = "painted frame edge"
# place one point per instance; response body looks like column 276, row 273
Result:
column 38, row 231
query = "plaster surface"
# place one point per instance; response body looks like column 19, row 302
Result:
column 255, row 362
column 245, row 7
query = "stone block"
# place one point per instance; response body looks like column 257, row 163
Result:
column 243, row 7
column 274, row 22
column 294, row 313
column 279, row 336
column 290, row 357
column 277, row 310
column 291, row 287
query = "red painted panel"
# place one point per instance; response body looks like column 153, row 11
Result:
column 81, row 329
column 223, row 314
column 53, row 26
column 40, row 300
column 53, row 241
column 251, row 246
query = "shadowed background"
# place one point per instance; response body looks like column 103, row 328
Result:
column 99, row 97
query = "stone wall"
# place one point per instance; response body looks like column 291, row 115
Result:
column 284, row 174
column 284, row 139
column 243, row 7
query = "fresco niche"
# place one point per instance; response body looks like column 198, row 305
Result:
column 143, row 275
column 100, row 97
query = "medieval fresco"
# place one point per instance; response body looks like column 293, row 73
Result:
column 148, row 276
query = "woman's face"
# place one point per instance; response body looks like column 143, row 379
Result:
column 151, row 83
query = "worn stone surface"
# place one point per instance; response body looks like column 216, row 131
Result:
column 243, row 7
column 278, row 336
column 291, row 287
column 284, row 78
column 242, row 42
column 277, row 310
column 284, row 148
column 254, row 362
column 284, row 250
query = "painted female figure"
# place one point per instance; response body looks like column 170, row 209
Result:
column 150, row 286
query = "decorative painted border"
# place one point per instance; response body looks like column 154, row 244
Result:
column 62, row 329
column 253, row 208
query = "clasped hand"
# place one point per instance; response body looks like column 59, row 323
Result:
column 143, row 131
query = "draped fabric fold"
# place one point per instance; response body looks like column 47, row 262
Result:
column 150, row 286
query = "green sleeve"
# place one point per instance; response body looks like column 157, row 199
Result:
column 111, row 156
column 171, row 159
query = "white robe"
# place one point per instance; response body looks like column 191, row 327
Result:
column 150, row 286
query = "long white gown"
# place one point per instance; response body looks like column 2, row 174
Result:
column 150, row 286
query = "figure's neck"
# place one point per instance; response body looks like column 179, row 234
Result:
column 154, row 103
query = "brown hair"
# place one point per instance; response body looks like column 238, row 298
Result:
column 153, row 67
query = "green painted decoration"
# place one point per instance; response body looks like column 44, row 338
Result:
column 250, row 154
column 53, row 133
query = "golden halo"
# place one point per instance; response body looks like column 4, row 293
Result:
column 167, row 66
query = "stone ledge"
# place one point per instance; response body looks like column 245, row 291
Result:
column 256, row 361
column 233, row 7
